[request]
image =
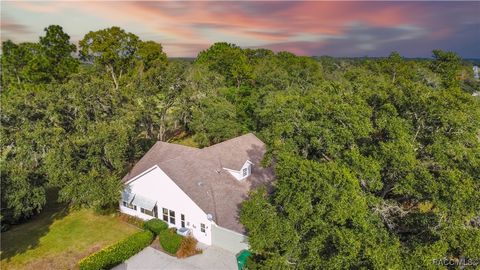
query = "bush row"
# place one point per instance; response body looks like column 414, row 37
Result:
column 131, row 219
column 170, row 241
column 117, row 253
column 155, row 226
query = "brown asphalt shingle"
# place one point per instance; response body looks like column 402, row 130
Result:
column 200, row 174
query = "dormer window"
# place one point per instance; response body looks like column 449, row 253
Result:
column 246, row 170
column 243, row 172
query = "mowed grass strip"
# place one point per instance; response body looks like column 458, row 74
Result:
column 56, row 239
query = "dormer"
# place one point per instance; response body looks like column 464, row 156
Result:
column 246, row 169
column 243, row 173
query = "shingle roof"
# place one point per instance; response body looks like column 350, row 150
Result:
column 199, row 173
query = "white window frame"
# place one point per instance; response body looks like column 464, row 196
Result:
column 129, row 205
column 165, row 215
column 171, row 217
column 146, row 211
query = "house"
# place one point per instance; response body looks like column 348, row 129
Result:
column 198, row 189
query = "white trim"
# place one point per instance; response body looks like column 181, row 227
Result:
column 142, row 174
column 230, row 170
column 248, row 161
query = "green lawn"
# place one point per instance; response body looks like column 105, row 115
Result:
column 57, row 239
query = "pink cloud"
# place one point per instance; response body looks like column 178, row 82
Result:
column 253, row 23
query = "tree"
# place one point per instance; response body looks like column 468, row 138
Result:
column 59, row 53
column 394, row 134
column 27, row 133
column 24, row 63
column 92, row 165
column 113, row 49
column 151, row 54
column 302, row 228
column 214, row 121
column 228, row 60
column 162, row 86
column 14, row 61
column 51, row 60
column 447, row 64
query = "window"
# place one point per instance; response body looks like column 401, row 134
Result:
column 172, row 217
column 165, row 214
column 168, row 215
column 245, row 172
column 129, row 205
column 202, row 227
column 182, row 220
column 145, row 211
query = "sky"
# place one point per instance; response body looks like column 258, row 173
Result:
column 184, row 28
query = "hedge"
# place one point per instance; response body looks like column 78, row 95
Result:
column 155, row 225
column 117, row 253
column 131, row 220
column 170, row 241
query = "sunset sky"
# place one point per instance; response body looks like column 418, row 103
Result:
column 306, row 28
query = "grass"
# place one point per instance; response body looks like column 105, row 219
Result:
column 58, row 239
column 184, row 139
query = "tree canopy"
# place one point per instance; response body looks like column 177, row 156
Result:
column 377, row 161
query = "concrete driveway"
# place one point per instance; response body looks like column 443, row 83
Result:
column 212, row 258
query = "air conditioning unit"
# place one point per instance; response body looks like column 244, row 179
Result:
column 183, row 231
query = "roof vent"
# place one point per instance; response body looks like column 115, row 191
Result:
column 200, row 184
column 218, row 171
column 209, row 217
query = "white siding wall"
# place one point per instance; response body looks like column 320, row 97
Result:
column 156, row 185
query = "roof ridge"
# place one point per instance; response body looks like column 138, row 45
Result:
column 235, row 139
column 180, row 145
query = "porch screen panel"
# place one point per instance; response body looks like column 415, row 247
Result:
column 144, row 202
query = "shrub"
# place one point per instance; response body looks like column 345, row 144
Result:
column 170, row 241
column 188, row 247
column 117, row 253
column 131, row 219
column 155, row 225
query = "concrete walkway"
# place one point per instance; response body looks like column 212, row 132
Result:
column 212, row 258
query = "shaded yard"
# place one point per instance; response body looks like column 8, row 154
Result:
column 184, row 139
column 58, row 239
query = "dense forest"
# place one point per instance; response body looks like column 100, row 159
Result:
column 377, row 160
